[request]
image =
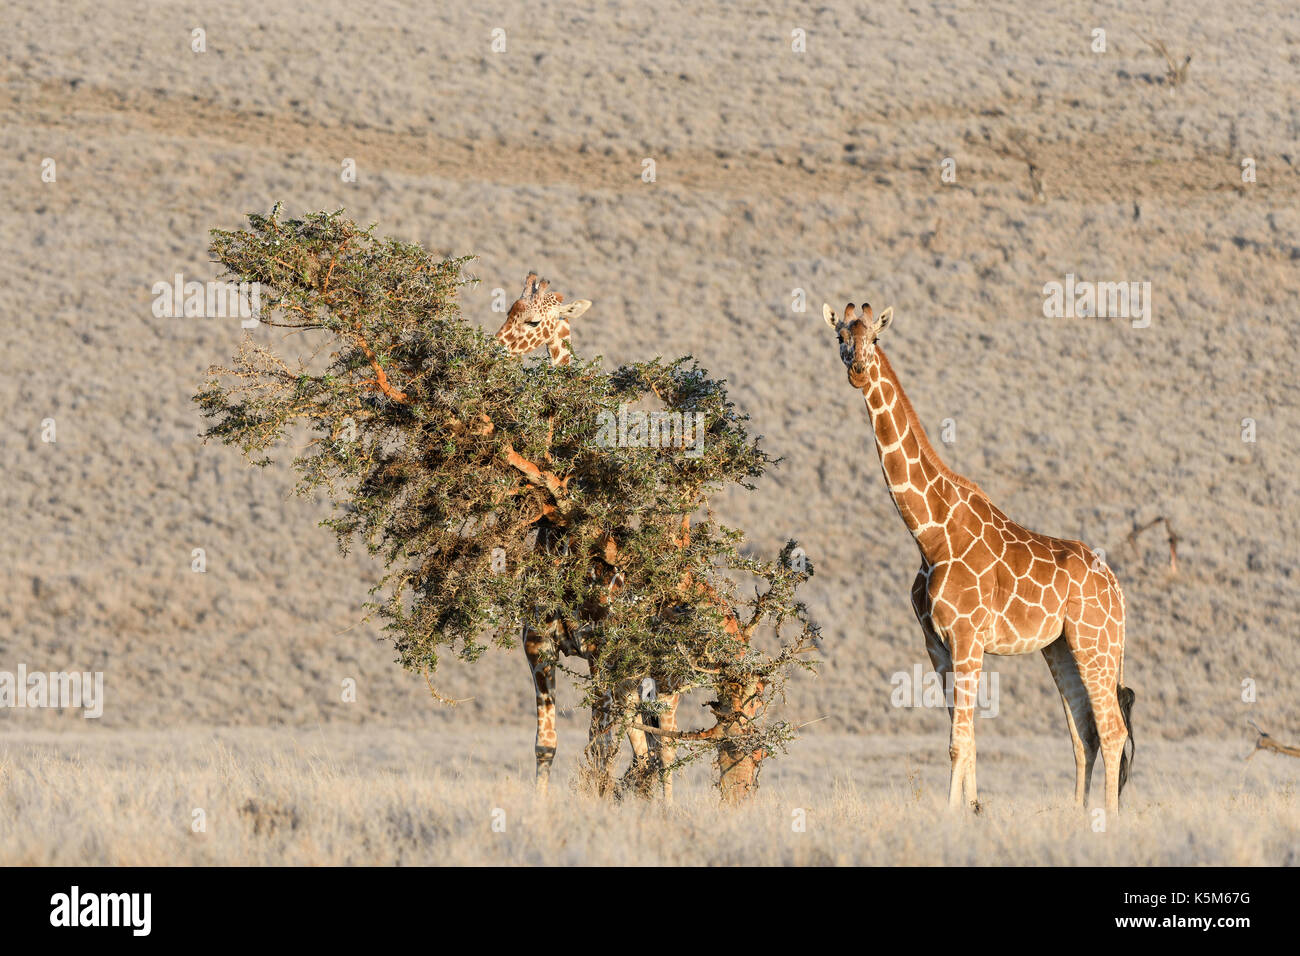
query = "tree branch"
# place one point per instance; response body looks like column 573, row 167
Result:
column 710, row 734
column 1265, row 742
column 381, row 377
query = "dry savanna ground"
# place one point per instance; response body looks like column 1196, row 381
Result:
column 348, row 796
column 782, row 179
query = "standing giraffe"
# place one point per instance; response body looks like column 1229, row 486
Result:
column 987, row 584
column 540, row 317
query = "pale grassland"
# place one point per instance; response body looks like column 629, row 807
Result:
column 398, row 797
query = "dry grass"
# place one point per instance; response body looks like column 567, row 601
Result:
column 1076, row 428
column 1175, row 71
column 397, row 797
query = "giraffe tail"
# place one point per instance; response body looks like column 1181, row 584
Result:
column 1126, row 697
column 1123, row 694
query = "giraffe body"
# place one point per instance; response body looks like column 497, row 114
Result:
column 987, row 585
column 541, row 317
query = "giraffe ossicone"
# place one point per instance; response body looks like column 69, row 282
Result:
column 989, row 585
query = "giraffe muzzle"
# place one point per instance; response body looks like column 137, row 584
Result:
column 858, row 368
column 858, row 375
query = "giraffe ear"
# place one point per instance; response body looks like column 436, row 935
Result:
column 828, row 314
column 883, row 322
column 575, row 308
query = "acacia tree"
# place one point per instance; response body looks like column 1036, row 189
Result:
column 446, row 457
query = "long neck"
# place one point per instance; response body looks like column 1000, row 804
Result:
column 924, row 490
column 560, row 345
column 519, row 340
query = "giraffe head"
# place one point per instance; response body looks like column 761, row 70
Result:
column 857, row 337
column 540, row 317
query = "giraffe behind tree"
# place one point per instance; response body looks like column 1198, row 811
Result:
column 541, row 317
column 989, row 585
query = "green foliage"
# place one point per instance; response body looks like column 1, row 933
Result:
column 449, row 459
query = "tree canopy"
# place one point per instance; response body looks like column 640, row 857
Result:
column 447, row 457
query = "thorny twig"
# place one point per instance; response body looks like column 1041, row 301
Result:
column 450, row 702
column 1016, row 147
column 1173, row 539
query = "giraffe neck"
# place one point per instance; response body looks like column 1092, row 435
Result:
column 520, row 342
column 924, row 489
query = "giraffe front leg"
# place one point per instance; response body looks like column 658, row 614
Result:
column 967, row 659
column 1078, row 715
column 540, row 650
column 939, row 658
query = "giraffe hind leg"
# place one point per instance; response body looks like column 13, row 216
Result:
column 653, row 754
column 667, row 746
column 1098, row 672
column 1078, row 715
column 641, row 775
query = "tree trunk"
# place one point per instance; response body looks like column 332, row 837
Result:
column 738, row 760
column 737, row 773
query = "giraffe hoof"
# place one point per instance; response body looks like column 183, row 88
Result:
column 977, row 807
